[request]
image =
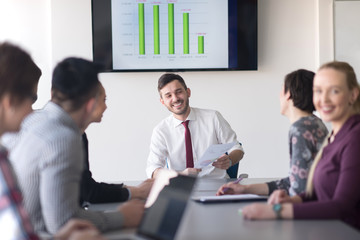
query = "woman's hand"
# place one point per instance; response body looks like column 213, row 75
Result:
column 258, row 211
column 231, row 188
column 279, row 196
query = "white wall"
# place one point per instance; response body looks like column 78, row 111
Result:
column 347, row 33
column 27, row 23
column 292, row 34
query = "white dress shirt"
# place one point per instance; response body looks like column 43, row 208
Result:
column 167, row 147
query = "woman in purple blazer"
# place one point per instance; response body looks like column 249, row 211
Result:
column 330, row 192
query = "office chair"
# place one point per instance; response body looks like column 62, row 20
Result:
column 233, row 171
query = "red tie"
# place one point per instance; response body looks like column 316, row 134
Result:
column 188, row 145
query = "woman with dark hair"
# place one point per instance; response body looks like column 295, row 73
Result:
column 306, row 134
column 331, row 191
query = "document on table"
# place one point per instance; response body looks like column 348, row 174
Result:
column 214, row 152
column 230, row 198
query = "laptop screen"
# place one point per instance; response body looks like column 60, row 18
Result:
column 162, row 219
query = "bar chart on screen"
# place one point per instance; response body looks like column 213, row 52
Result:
column 169, row 33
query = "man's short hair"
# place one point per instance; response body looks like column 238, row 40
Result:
column 169, row 77
column 19, row 75
column 75, row 80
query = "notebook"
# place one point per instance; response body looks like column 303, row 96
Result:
column 230, row 198
column 165, row 207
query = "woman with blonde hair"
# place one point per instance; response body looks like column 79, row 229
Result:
column 330, row 192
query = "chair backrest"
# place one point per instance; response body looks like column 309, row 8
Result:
column 233, row 171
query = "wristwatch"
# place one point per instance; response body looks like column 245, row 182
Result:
column 277, row 209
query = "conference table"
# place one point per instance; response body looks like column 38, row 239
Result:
column 214, row 221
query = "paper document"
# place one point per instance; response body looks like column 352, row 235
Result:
column 213, row 153
column 230, row 198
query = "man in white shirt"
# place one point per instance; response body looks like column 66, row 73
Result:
column 207, row 127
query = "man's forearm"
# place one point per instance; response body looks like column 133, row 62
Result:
column 155, row 172
column 236, row 156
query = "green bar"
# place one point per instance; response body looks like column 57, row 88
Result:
column 156, row 30
column 201, row 44
column 186, row 32
column 171, row 28
column 141, row 29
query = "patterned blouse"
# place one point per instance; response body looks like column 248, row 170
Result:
column 305, row 139
column 14, row 221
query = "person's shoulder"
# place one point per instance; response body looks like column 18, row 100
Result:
column 307, row 122
column 32, row 119
column 354, row 122
column 354, row 128
column 34, row 123
column 39, row 117
column 43, row 126
column 349, row 139
column 206, row 112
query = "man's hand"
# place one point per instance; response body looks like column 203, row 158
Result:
column 78, row 229
column 142, row 190
column 223, row 162
column 133, row 211
column 191, row 171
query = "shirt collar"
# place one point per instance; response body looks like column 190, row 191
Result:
column 62, row 116
column 176, row 122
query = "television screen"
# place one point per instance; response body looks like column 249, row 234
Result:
column 175, row 35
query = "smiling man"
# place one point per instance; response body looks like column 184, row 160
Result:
column 179, row 140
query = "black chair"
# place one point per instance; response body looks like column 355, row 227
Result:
column 233, row 171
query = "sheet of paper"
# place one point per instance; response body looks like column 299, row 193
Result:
column 213, row 153
column 229, row 198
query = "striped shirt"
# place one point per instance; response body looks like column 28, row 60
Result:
column 48, row 160
column 14, row 221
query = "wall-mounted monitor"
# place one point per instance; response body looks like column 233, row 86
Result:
column 175, row 35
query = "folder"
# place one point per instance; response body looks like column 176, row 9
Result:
column 230, row 198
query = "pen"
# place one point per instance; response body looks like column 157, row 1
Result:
column 236, row 182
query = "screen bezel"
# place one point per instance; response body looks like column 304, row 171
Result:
column 240, row 58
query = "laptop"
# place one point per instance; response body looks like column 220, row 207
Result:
column 164, row 208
